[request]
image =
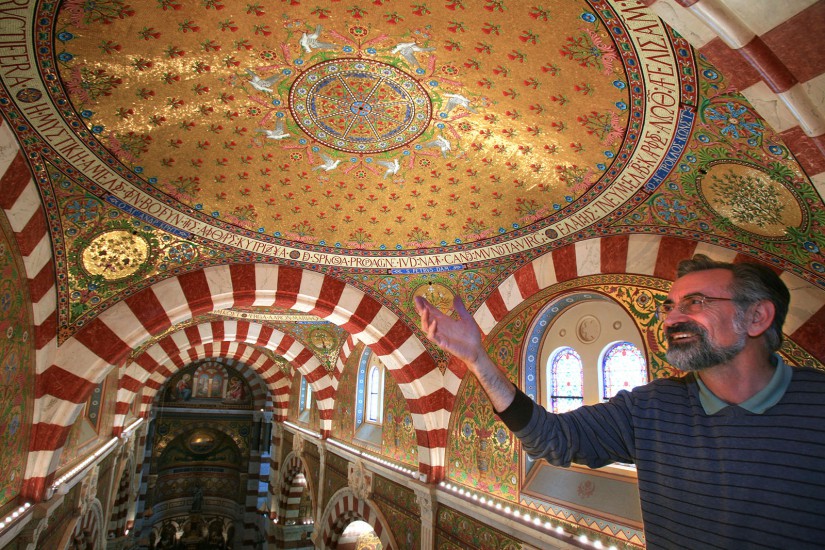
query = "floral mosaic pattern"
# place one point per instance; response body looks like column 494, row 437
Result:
column 335, row 476
column 343, row 421
column 460, row 532
column 16, row 372
column 400, row 509
column 399, row 436
column 481, row 447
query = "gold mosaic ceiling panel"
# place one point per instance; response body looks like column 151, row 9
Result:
column 379, row 125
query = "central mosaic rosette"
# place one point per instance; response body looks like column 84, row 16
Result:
column 360, row 106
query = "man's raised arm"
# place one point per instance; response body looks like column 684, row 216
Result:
column 462, row 338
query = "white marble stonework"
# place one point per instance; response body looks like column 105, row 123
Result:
column 763, row 15
column 642, row 252
column 588, row 257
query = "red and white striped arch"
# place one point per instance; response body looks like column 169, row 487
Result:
column 290, row 492
column 344, row 508
column 120, row 508
column 21, row 203
column 88, row 529
column 252, row 364
column 105, row 342
column 177, row 350
column 343, row 355
column 650, row 255
column 263, row 375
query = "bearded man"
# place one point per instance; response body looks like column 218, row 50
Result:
column 731, row 454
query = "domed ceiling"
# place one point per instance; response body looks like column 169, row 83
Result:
column 356, row 128
column 386, row 137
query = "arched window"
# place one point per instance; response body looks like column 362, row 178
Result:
column 375, row 394
column 623, row 367
column 577, row 347
column 369, row 400
column 565, row 380
column 305, row 400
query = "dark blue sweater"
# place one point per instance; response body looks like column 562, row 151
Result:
column 731, row 480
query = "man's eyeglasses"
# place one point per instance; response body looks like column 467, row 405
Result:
column 689, row 305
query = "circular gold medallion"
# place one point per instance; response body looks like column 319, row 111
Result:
column 115, row 254
column 359, row 105
column 750, row 199
column 321, row 339
column 201, row 441
column 438, row 295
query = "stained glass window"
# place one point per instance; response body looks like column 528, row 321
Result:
column 623, row 368
column 565, row 380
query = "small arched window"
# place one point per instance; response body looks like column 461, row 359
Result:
column 623, row 367
column 369, row 400
column 375, row 394
column 565, row 380
column 306, row 396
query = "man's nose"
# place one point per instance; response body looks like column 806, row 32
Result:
column 675, row 316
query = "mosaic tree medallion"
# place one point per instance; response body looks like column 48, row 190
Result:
column 438, row 295
column 750, row 199
column 360, row 105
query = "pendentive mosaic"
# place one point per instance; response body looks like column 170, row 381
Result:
column 16, row 369
column 738, row 180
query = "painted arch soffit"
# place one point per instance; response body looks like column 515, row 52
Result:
column 323, row 338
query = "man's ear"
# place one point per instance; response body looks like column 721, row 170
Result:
column 760, row 317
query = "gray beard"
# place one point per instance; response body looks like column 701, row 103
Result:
column 702, row 354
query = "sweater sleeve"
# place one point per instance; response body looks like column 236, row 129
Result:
column 594, row 435
column 518, row 414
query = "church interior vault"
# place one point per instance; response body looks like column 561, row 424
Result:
column 217, row 214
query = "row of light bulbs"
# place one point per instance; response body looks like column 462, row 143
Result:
column 493, row 504
column 375, row 458
column 309, row 521
column 11, row 518
column 94, row 456
column 355, row 451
